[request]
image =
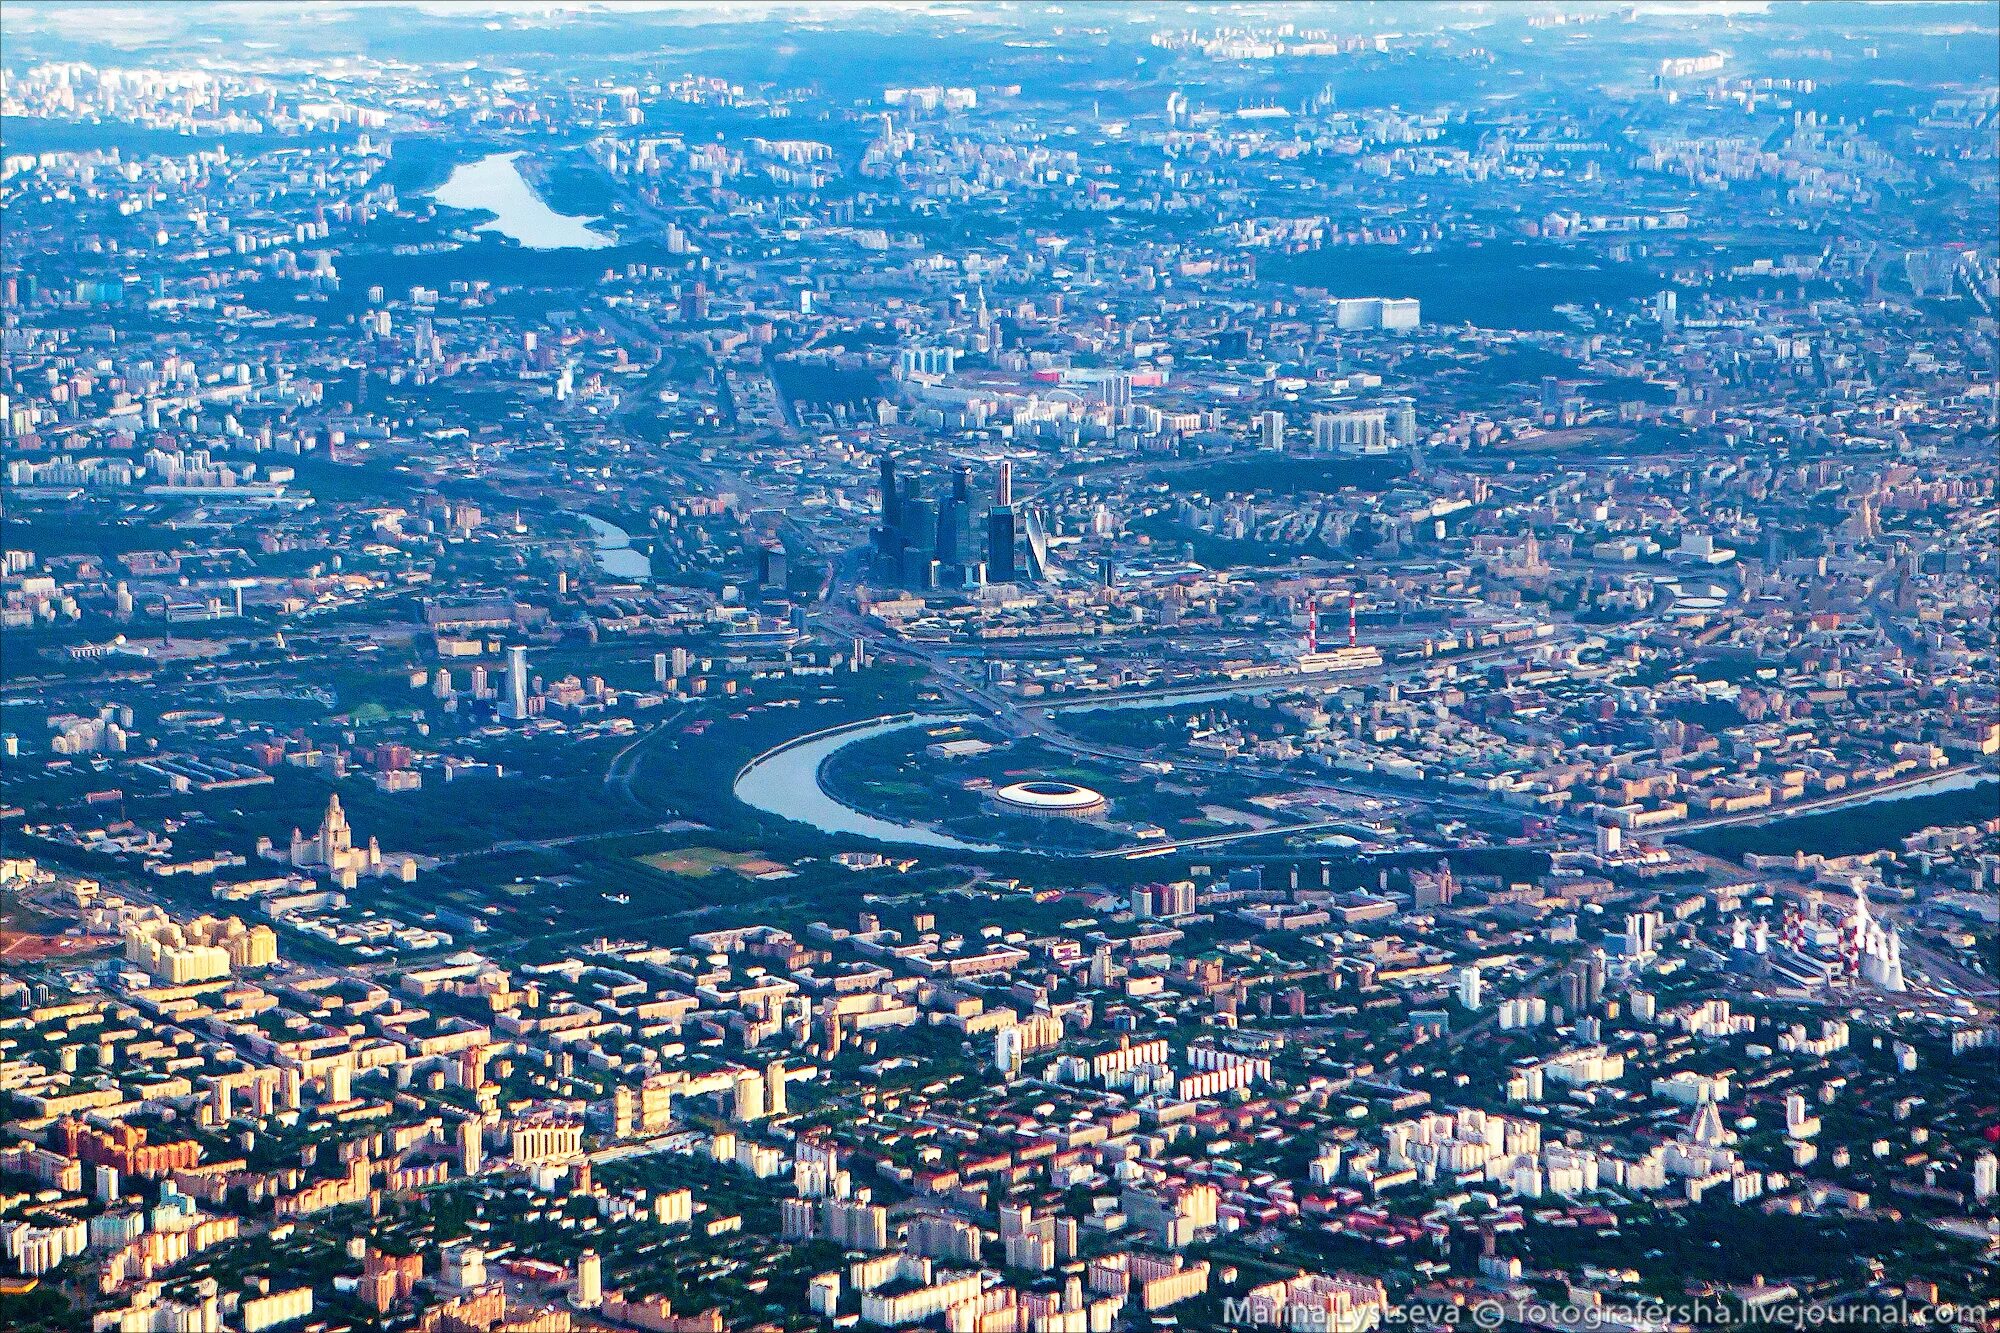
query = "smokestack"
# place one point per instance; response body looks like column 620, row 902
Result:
column 1003, row 485
column 1353, row 632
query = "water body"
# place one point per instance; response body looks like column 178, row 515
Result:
column 495, row 185
column 1959, row 780
column 615, row 554
column 1877, row 820
column 787, row 784
column 1194, row 694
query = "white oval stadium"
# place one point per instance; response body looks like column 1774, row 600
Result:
column 1048, row 798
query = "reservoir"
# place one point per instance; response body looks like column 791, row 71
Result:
column 495, row 185
column 787, row 784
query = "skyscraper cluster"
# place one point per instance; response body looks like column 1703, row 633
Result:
column 935, row 543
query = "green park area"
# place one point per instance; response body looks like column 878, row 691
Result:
column 695, row 862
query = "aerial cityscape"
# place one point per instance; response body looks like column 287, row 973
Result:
column 1044, row 668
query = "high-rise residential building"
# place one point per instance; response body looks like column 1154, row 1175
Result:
column 917, row 548
column 771, row 567
column 471, row 1147
column 774, row 1088
column 1000, row 542
column 891, row 499
column 945, row 539
column 1271, row 429
column 1403, row 421
column 1039, row 566
column 515, row 707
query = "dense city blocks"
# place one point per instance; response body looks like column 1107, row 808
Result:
column 1046, row 668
